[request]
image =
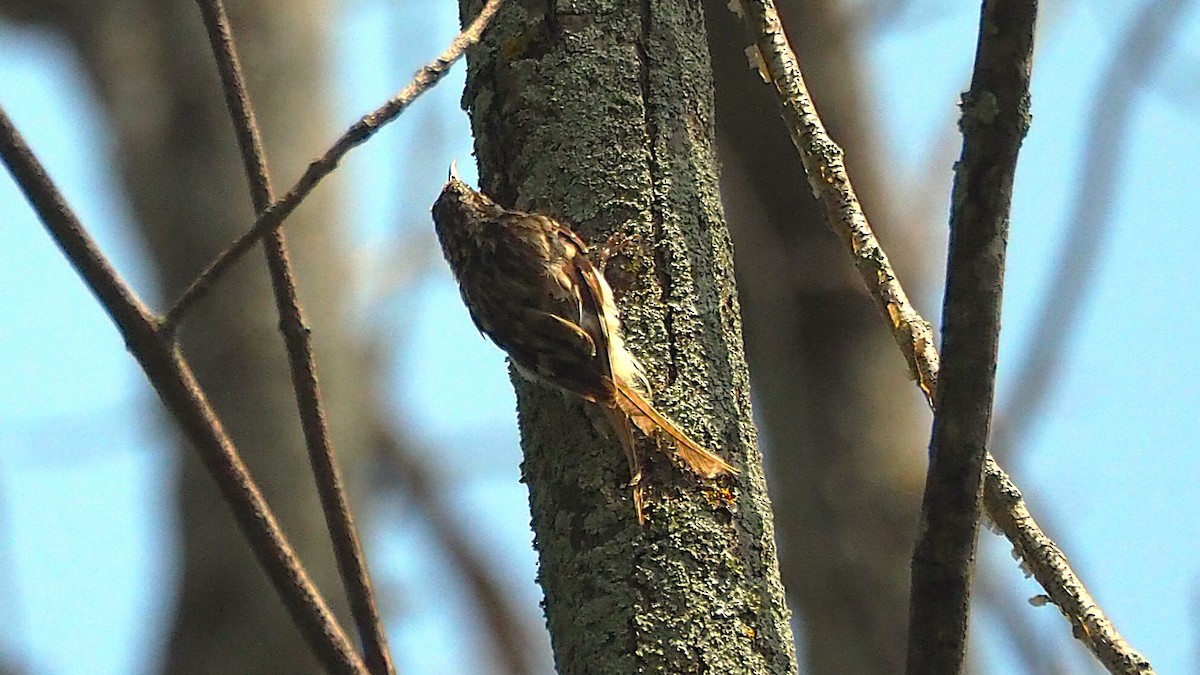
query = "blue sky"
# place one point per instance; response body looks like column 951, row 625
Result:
column 84, row 512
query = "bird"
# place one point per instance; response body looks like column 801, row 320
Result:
column 531, row 286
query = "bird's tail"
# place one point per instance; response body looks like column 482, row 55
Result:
column 620, row 424
column 642, row 413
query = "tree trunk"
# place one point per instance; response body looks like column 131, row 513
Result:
column 601, row 115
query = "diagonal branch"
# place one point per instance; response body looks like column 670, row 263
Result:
column 273, row 216
column 827, row 176
column 1050, row 567
column 824, row 163
column 172, row 378
column 1032, row 647
column 995, row 119
column 347, row 546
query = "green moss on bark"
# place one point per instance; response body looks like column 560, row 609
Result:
column 601, row 114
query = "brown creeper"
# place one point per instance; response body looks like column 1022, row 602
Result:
column 530, row 286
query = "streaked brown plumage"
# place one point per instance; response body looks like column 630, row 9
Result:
column 530, row 286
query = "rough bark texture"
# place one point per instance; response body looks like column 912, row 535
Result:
column 600, row 114
column 845, row 430
column 153, row 71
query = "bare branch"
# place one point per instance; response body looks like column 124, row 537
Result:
column 825, row 165
column 172, row 378
column 827, row 177
column 356, row 135
column 347, row 546
column 1051, row 569
column 1035, row 650
column 995, row 119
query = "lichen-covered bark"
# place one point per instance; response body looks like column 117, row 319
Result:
column 600, row 113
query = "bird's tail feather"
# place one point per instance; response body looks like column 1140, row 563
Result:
column 620, row 424
column 642, row 413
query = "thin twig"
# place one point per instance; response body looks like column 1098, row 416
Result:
column 176, row 385
column 339, row 520
column 827, row 176
column 356, row 135
column 1031, row 646
column 824, row 162
column 995, row 119
column 1049, row 566
column 1088, row 226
